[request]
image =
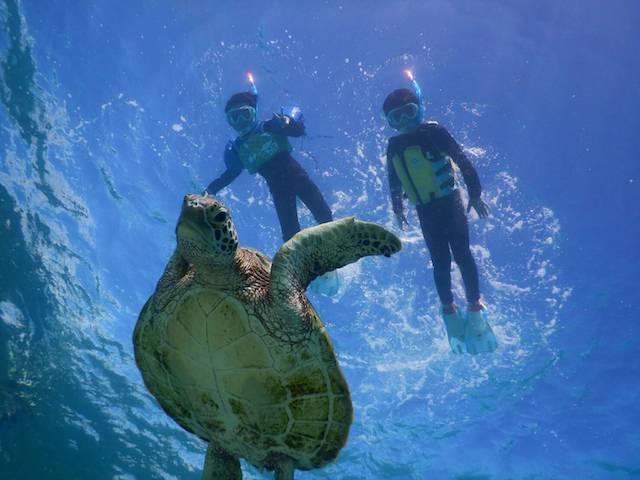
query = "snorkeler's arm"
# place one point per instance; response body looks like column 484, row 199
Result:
column 223, row 180
column 471, row 179
column 234, row 168
column 395, row 187
column 284, row 125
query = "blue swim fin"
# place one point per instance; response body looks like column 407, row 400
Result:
column 479, row 337
column 327, row 284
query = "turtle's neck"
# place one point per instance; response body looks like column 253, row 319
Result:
column 239, row 274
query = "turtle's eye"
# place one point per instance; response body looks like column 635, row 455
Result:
column 220, row 217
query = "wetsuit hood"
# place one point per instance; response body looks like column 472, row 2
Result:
column 398, row 98
column 397, row 101
column 241, row 99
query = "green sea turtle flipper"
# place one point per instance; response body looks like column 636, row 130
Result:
column 285, row 470
column 220, row 464
column 315, row 251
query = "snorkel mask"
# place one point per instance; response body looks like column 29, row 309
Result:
column 407, row 117
column 243, row 118
column 404, row 118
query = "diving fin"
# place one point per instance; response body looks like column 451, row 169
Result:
column 327, row 284
column 479, row 337
column 455, row 325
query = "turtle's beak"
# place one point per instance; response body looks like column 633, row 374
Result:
column 192, row 209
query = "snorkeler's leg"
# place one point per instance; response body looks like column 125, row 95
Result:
column 310, row 194
column 435, row 237
column 284, row 199
column 479, row 337
column 459, row 241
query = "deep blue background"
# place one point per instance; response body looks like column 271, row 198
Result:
column 112, row 112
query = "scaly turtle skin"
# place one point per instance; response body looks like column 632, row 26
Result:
column 234, row 352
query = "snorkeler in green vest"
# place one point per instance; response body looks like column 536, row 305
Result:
column 420, row 162
column 264, row 148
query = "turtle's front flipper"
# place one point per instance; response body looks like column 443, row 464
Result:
column 326, row 247
column 219, row 464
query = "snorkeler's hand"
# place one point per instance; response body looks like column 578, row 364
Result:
column 481, row 208
column 281, row 119
column 401, row 219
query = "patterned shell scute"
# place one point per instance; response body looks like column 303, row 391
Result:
column 211, row 363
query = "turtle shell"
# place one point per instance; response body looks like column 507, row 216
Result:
column 216, row 370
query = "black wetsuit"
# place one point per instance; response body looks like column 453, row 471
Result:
column 443, row 220
column 284, row 175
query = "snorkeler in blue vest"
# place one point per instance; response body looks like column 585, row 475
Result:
column 420, row 162
column 264, row 148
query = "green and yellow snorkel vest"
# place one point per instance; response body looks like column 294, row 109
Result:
column 423, row 176
column 256, row 149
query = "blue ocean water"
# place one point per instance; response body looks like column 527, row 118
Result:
column 112, row 111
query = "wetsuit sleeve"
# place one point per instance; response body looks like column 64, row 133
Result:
column 289, row 127
column 234, row 168
column 395, row 187
column 471, row 179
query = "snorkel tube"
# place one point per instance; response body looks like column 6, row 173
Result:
column 416, row 89
column 254, row 89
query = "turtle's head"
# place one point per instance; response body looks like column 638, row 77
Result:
column 205, row 232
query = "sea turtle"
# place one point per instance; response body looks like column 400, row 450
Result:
column 234, row 352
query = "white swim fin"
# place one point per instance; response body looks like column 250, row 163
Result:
column 479, row 337
column 327, row 284
column 455, row 325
